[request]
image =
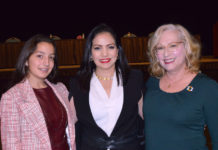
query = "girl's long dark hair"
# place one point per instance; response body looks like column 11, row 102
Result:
column 87, row 67
column 27, row 50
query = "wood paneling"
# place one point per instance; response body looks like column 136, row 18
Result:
column 70, row 51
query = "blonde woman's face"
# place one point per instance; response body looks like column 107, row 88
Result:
column 170, row 51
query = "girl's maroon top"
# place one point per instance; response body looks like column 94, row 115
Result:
column 55, row 117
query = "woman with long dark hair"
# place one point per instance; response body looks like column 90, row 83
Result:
column 106, row 95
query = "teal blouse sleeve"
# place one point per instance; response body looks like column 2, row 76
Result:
column 210, row 109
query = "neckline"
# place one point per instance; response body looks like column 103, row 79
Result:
column 183, row 90
column 98, row 81
column 41, row 89
column 104, row 78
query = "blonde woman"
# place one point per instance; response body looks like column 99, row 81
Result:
column 180, row 100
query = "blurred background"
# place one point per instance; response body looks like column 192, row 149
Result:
column 68, row 19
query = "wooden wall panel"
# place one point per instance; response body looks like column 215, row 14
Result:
column 70, row 51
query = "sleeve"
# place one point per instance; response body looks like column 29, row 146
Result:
column 137, row 78
column 152, row 83
column 72, row 88
column 211, row 113
column 68, row 137
column 10, row 125
column 65, row 92
column 71, row 99
column 142, row 82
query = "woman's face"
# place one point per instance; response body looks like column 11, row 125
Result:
column 104, row 51
column 41, row 62
column 170, row 51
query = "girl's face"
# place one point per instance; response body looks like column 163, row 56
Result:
column 41, row 62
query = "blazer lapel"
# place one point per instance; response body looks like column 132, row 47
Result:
column 122, row 113
column 84, row 106
column 66, row 104
column 33, row 114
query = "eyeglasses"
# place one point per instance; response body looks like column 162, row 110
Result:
column 171, row 48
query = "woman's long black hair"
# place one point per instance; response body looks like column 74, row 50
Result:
column 87, row 67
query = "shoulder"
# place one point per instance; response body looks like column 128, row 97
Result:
column 8, row 93
column 58, row 87
column 206, row 81
column 14, row 90
column 74, row 86
column 13, row 94
column 134, row 73
column 136, row 79
column 73, row 80
column 152, row 81
column 206, row 88
column 11, row 90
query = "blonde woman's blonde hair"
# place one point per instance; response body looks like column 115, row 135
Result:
column 192, row 47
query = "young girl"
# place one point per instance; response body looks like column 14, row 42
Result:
column 35, row 113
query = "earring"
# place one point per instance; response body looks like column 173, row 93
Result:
column 118, row 57
column 90, row 59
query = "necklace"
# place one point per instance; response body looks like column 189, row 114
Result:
column 103, row 78
column 170, row 82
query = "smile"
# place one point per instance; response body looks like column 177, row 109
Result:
column 107, row 60
column 44, row 70
column 168, row 61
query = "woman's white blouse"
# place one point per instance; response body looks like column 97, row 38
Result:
column 105, row 110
